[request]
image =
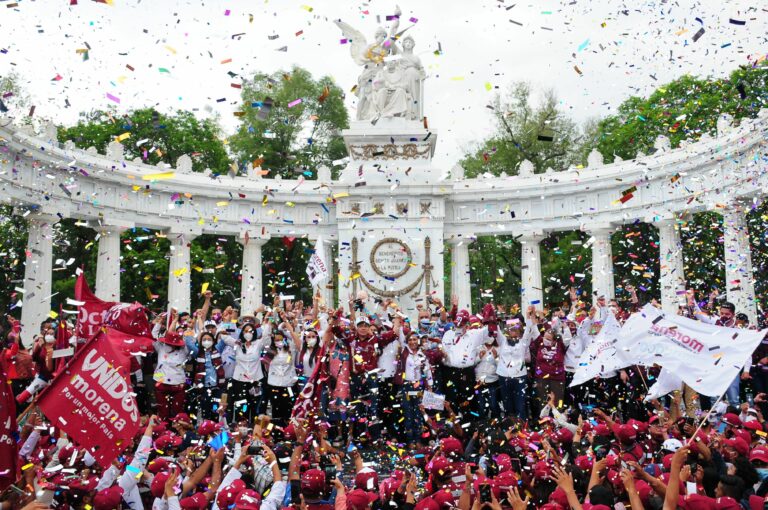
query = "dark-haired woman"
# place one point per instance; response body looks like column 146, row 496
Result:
column 208, row 377
column 244, row 389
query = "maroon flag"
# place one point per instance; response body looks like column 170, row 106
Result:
column 8, row 431
column 308, row 401
column 92, row 311
column 91, row 398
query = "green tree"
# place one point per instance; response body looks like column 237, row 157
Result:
column 13, row 245
column 291, row 124
column 154, row 137
column 685, row 109
column 541, row 133
column 144, row 252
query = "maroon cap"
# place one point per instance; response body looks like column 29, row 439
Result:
column 167, row 440
column 753, row 425
column 313, row 482
column 367, row 479
column 551, row 506
column 157, row 465
column 444, row 499
column 228, row 495
column 196, row 501
column 451, row 445
column 732, row 419
column 602, row 429
column 504, row 462
column 756, row 502
column 505, row 481
column 726, row 503
column 427, row 504
column 182, row 418
column 359, row 499
column 584, row 462
column 738, row 444
column 108, row 499
column 563, row 436
column 158, row 484
column 440, row 466
column 541, row 470
column 206, row 427
column 248, row 499
column 696, row 502
column 626, row 433
column 760, row 453
column 559, row 497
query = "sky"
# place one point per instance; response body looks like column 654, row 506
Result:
column 182, row 54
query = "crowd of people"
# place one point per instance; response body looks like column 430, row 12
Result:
column 443, row 409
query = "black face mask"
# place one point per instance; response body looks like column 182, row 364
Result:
column 513, row 341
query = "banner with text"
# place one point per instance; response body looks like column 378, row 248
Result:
column 91, row 399
column 706, row 357
column 318, row 269
column 599, row 357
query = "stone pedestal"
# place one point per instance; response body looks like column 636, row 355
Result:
column 391, row 224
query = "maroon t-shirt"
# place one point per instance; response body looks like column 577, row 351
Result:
column 548, row 361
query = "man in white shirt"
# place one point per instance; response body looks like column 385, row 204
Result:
column 461, row 346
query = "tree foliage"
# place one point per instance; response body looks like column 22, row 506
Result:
column 291, row 124
column 540, row 133
column 154, row 137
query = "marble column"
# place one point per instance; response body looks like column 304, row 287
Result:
column 531, row 291
column 251, row 289
column 108, row 263
column 326, row 289
column 602, row 264
column 672, row 274
column 739, row 278
column 179, row 285
column 460, row 272
column 38, row 265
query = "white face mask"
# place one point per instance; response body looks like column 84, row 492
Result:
column 49, row 339
column 207, row 344
column 248, row 336
column 311, row 342
column 488, row 341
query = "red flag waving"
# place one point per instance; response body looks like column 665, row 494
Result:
column 307, row 404
column 92, row 311
column 8, row 431
column 91, row 399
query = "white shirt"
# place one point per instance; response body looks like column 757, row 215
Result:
column 461, row 348
column 388, row 359
column 248, row 363
column 485, row 370
column 170, row 364
column 512, row 358
column 282, row 369
column 416, row 367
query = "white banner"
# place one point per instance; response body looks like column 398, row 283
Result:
column 706, row 357
column 599, row 357
column 317, row 268
column 666, row 383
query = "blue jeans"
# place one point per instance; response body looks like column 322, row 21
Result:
column 366, row 388
column 513, row 395
column 732, row 393
column 411, row 402
column 488, row 400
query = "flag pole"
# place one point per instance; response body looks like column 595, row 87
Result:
column 706, row 417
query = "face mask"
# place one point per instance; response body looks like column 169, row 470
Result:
column 762, row 473
column 207, row 344
column 49, row 339
column 311, row 342
column 248, row 336
column 488, row 341
column 216, row 317
column 548, row 343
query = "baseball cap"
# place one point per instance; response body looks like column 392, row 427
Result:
column 359, row 499
column 672, row 444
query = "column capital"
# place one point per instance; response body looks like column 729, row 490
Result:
column 602, row 229
column 253, row 239
column 110, row 225
column 455, row 241
column 532, row 236
column 36, row 216
column 187, row 234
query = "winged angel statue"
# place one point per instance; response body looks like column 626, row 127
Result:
column 388, row 86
